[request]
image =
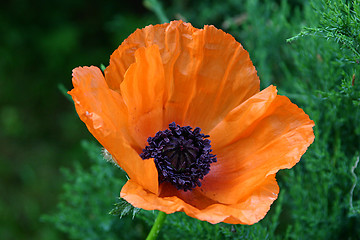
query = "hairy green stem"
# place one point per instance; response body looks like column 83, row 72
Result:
column 154, row 232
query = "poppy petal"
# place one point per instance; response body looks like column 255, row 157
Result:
column 124, row 56
column 169, row 37
column 254, row 208
column 105, row 115
column 144, row 91
column 208, row 71
column 195, row 205
column 261, row 136
column 223, row 77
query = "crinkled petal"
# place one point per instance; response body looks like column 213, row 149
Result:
column 261, row 136
column 105, row 115
column 194, row 204
column 223, row 75
column 208, row 72
column 145, row 91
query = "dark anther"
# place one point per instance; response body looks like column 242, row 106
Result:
column 182, row 156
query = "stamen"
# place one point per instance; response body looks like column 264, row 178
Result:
column 181, row 155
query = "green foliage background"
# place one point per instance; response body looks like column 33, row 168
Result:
column 55, row 183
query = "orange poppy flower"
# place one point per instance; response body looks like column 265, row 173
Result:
column 181, row 111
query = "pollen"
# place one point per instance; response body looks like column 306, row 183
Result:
column 182, row 156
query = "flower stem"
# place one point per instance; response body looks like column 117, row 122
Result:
column 156, row 7
column 154, row 232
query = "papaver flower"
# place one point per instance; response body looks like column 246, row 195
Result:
column 181, row 111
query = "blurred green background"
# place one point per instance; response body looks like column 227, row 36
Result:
column 40, row 133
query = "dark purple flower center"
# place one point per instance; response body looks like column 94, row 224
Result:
column 182, row 156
